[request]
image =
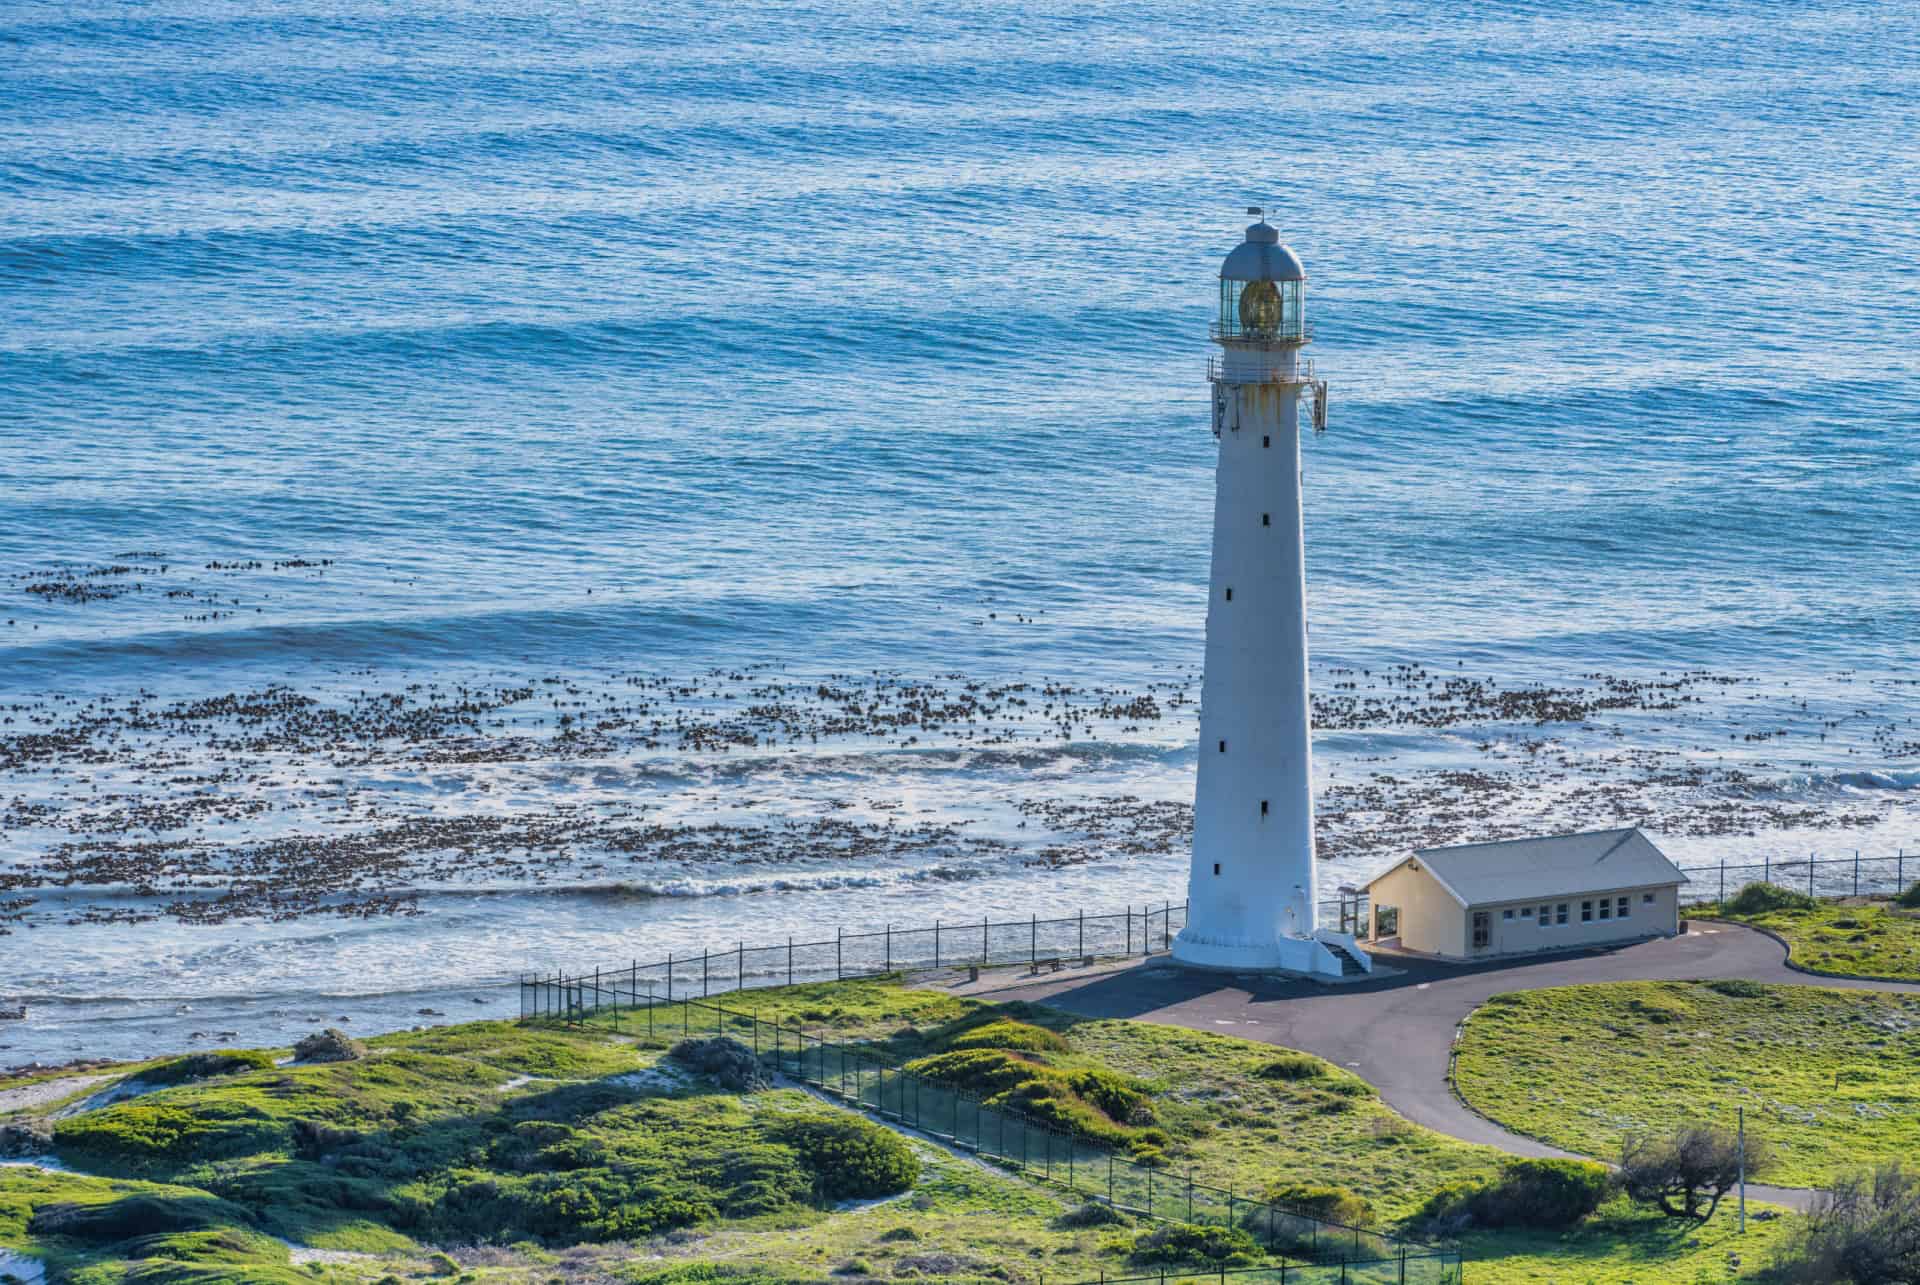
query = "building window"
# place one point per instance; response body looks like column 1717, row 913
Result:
column 1216, row 867
column 1263, row 807
column 1266, row 519
column 1586, row 912
column 1546, row 915
column 1646, row 899
column 1266, row 441
column 1625, row 903
column 1606, row 908
column 1507, row 913
column 1560, row 913
column 1526, row 912
column 1229, row 594
column 1223, row 747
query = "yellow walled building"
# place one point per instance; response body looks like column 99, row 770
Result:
column 1520, row 896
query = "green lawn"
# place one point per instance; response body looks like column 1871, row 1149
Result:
column 1859, row 939
column 1829, row 1078
column 557, row 1149
column 1625, row 1246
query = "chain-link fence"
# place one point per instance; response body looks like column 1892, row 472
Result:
column 1031, row 941
column 862, row 1076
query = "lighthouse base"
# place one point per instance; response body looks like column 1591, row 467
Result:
column 1302, row 955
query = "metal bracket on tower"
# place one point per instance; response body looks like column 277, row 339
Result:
column 1319, row 387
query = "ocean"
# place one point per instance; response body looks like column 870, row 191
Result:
column 489, row 488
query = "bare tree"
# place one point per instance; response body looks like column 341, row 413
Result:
column 1865, row 1229
column 1686, row 1173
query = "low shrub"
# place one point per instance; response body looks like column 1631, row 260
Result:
column 724, row 1060
column 1334, row 1204
column 1909, row 899
column 1179, row 1244
column 1861, row 1231
column 1006, row 1034
column 202, row 1066
column 1294, row 1066
column 1093, row 1214
column 139, row 1215
column 1738, row 988
column 1539, row 1194
column 1096, row 1104
column 851, row 1159
column 1763, row 898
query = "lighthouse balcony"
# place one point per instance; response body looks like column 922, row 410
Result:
column 1243, row 372
column 1289, row 332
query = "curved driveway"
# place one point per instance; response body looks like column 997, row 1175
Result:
column 1397, row 1031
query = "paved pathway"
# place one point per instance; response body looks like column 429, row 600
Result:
column 1396, row 1032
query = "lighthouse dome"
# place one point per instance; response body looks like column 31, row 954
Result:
column 1261, row 257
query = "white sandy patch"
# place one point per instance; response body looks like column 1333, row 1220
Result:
column 302, row 1255
column 662, row 1075
column 516, row 1082
column 131, row 1087
column 49, row 1163
column 28, row 1096
column 22, row 1267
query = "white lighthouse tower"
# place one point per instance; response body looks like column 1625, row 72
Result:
column 1251, row 895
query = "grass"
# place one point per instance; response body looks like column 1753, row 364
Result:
column 1849, row 937
column 439, row 1139
column 1622, row 1245
column 1829, row 1078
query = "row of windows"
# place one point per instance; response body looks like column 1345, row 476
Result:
column 1552, row 913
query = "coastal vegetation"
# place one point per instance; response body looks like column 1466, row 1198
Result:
column 1853, row 937
column 509, row 1153
column 1826, row 1076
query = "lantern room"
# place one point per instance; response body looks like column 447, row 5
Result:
column 1263, row 291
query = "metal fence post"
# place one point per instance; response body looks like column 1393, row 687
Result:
column 1900, row 872
column 1083, row 932
column 704, row 974
column 889, row 947
column 839, row 940
column 669, row 977
column 1856, row 872
column 1129, row 946
column 936, row 943
column 1033, row 940
column 740, row 968
column 789, row 959
column 985, row 951
column 1166, row 926
column 1810, row 864
column 1723, row 879
column 1766, row 867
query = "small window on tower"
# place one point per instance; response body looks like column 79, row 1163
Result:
column 1216, row 867
column 1263, row 807
column 1266, row 519
column 1266, row 441
column 1229, row 595
column 1223, row 747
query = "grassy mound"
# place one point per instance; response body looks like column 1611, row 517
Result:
column 1763, row 898
column 1864, row 940
column 1089, row 1101
column 1007, row 1034
column 1826, row 1076
column 205, row 1066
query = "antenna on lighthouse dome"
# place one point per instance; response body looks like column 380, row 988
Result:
column 1255, row 210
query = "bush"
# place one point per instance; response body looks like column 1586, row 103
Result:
column 1865, row 1230
column 1096, row 1104
column 1761, row 898
column 1092, row 1214
column 1685, row 1174
column 1334, row 1204
column 1910, row 899
column 850, row 1158
column 1540, row 1194
column 201, row 1066
column 1738, row 988
column 722, row 1059
column 1006, row 1034
column 133, row 1216
column 1294, row 1066
column 1177, row 1244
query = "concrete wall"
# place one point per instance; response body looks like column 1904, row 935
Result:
column 1522, row 933
column 1253, row 877
column 1431, row 921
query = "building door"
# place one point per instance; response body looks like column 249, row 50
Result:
column 1482, row 929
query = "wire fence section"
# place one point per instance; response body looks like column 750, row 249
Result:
column 863, row 1077
column 1855, row 876
column 1141, row 931
column 1437, row 1267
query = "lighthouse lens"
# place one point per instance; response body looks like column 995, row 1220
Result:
column 1260, row 307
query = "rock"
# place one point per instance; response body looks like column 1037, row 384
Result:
column 17, row 1014
column 25, row 1136
column 330, row 1045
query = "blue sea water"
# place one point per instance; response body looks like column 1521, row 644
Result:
column 840, row 337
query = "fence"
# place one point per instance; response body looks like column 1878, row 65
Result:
column 860, row 1077
column 944, row 945
column 1835, row 877
column 1434, row 1268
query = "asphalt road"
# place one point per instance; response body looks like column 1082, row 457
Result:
column 1397, row 1031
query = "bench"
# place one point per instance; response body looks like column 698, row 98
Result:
column 1052, row 965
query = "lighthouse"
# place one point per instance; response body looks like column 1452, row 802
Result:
column 1251, row 892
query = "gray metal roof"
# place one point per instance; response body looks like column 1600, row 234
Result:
column 1557, row 865
column 1261, row 257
